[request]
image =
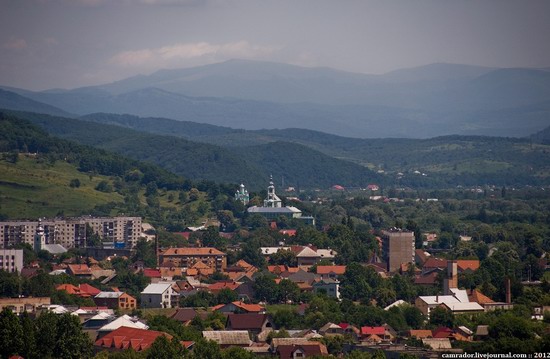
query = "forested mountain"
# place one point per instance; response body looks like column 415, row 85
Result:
column 204, row 161
column 13, row 101
column 448, row 160
column 429, row 101
column 542, row 136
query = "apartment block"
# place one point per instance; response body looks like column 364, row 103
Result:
column 398, row 248
column 118, row 232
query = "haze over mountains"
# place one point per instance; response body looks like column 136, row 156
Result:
column 423, row 102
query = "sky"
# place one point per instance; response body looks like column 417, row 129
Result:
column 48, row 44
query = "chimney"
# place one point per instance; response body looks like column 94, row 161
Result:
column 437, row 298
column 508, row 291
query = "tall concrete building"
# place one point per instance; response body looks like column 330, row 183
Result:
column 398, row 248
column 121, row 232
column 11, row 260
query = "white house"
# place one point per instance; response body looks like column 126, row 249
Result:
column 157, row 295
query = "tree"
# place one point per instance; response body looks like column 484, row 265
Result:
column 71, row 341
column 441, row 317
column 287, row 258
column 163, row 348
column 104, row 186
column 265, row 288
column 288, row 291
column 237, row 353
column 206, row 349
column 226, row 295
column 74, row 183
column 11, row 334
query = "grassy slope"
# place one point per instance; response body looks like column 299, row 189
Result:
column 30, row 189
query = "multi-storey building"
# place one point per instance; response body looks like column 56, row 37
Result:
column 398, row 248
column 119, row 232
column 188, row 257
column 11, row 260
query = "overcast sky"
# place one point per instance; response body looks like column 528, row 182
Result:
column 71, row 43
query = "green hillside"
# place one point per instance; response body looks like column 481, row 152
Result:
column 33, row 188
column 200, row 161
column 44, row 176
column 446, row 161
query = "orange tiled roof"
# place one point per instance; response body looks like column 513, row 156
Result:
column 251, row 308
column 471, row 264
column 69, row 288
column 331, row 269
column 86, row 288
column 478, row 297
column 202, row 251
column 126, row 338
column 276, row 269
column 79, row 269
column 216, row 287
column 200, row 265
column 421, row 333
column 435, row 263
column 244, row 264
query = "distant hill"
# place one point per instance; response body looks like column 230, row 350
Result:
column 423, row 102
column 542, row 136
column 36, row 182
column 209, row 162
column 13, row 101
column 449, row 160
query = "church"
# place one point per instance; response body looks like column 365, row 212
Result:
column 273, row 207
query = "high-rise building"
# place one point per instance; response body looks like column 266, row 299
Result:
column 120, row 232
column 11, row 260
column 398, row 248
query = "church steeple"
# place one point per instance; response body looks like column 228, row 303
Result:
column 272, row 199
column 39, row 237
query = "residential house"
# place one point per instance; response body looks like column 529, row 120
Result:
column 115, row 300
column 114, row 323
column 129, row 338
column 187, row 257
column 307, row 257
column 185, row 315
column 329, row 286
column 25, row 304
column 331, row 271
column 158, row 295
column 79, row 271
column 253, row 322
column 331, row 329
column 228, row 338
column 239, row 307
column 295, row 351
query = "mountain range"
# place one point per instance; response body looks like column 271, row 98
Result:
column 423, row 102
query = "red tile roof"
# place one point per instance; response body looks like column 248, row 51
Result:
column 373, row 330
column 71, row 289
column 478, row 297
column 246, row 321
column 465, row 264
column 311, row 349
column 421, row 333
column 442, row 332
column 79, row 269
column 216, row 287
column 435, row 263
column 249, row 308
column 288, row 232
column 125, row 338
column 86, row 288
column 203, row 251
column 428, row 279
column 339, row 270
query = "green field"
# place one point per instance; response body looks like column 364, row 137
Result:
column 33, row 188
